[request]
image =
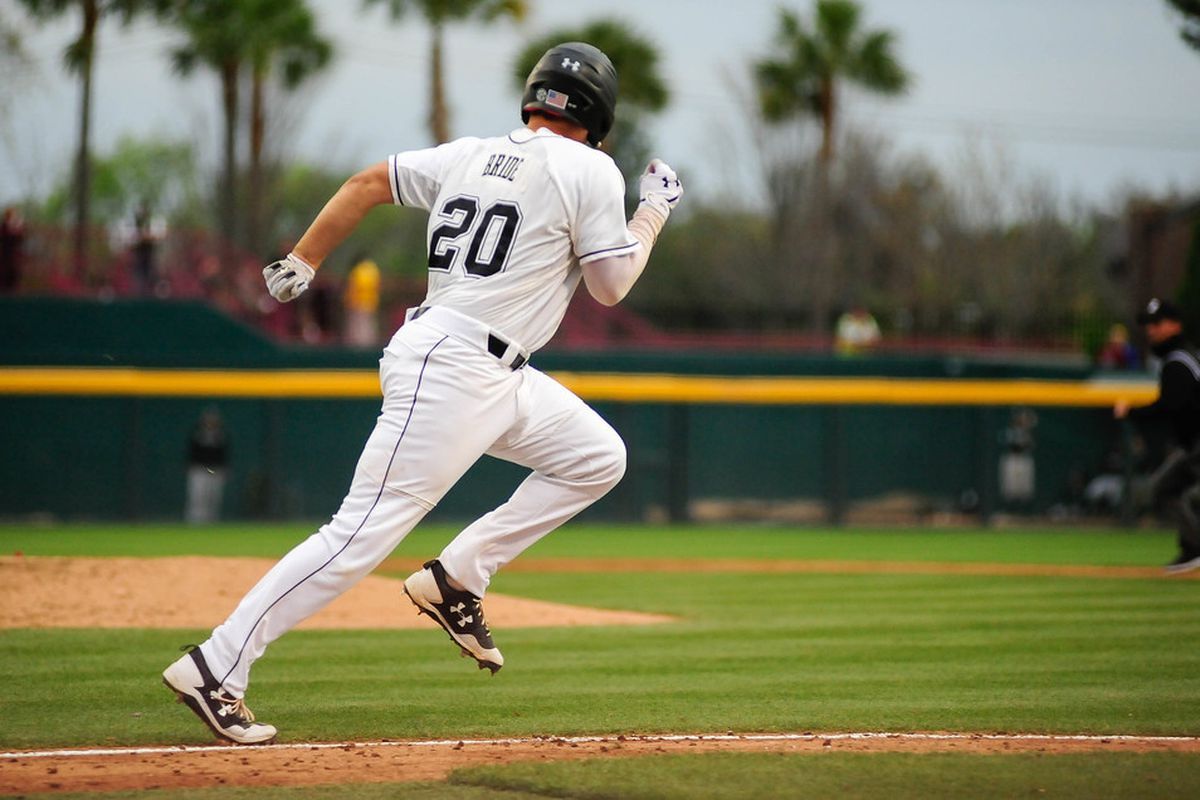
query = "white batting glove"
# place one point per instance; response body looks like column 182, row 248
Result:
column 660, row 188
column 288, row 278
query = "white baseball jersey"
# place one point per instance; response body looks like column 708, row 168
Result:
column 511, row 219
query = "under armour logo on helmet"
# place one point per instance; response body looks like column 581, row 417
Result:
column 571, row 65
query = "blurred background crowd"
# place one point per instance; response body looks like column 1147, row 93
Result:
column 842, row 225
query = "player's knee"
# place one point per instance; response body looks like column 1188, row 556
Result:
column 611, row 462
column 594, row 465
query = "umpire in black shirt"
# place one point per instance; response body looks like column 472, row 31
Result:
column 1178, row 403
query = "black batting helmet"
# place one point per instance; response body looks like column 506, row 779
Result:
column 575, row 81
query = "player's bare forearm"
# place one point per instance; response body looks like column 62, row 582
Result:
column 342, row 214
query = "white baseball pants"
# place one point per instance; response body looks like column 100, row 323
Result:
column 447, row 400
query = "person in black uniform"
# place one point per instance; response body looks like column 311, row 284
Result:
column 208, row 461
column 1179, row 404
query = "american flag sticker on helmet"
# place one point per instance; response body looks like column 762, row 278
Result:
column 556, row 99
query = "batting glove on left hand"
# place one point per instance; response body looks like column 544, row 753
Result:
column 288, row 278
column 660, row 188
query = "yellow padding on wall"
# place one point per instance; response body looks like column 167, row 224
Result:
column 190, row 383
column 625, row 388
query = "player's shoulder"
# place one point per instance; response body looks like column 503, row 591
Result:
column 461, row 144
column 435, row 157
column 543, row 143
column 561, row 149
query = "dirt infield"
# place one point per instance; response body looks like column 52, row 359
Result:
column 395, row 761
column 196, row 592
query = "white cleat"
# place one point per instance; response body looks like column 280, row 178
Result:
column 460, row 614
column 227, row 716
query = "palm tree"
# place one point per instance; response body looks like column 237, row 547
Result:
column 1190, row 9
column 231, row 37
column 79, row 58
column 13, row 57
column 216, row 37
column 12, row 47
column 439, row 13
column 804, row 78
column 282, row 37
column 1189, row 289
column 642, row 89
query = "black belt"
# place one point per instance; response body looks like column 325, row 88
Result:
column 498, row 347
column 495, row 345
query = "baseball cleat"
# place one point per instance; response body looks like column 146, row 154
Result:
column 460, row 614
column 1185, row 562
column 226, row 716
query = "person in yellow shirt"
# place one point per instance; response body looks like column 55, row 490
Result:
column 362, row 304
column 856, row 332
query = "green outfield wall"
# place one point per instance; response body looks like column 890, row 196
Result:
column 98, row 400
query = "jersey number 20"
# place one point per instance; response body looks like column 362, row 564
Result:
column 489, row 236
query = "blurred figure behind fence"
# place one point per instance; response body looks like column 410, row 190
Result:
column 856, row 332
column 1118, row 352
column 208, row 460
column 12, row 243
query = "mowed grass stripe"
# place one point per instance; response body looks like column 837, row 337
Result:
column 402, row 566
column 895, row 776
column 1063, row 546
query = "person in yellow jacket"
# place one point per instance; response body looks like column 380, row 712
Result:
column 362, row 304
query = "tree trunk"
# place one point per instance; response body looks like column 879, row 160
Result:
column 228, row 194
column 827, row 266
column 254, row 196
column 824, row 245
column 83, row 161
column 828, row 113
column 439, row 115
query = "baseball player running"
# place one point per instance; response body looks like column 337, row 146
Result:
column 514, row 222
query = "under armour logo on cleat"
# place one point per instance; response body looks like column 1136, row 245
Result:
column 463, row 619
column 571, row 65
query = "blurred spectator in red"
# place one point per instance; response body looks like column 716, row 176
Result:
column 12, row 241
column 1118, row 352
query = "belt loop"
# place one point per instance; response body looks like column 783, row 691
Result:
column 497, row 346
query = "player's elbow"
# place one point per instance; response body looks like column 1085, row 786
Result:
column 606, row 295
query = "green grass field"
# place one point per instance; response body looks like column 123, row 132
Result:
column 782, row 652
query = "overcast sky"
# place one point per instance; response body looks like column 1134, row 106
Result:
column 1094, row 95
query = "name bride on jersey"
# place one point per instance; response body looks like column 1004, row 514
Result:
column 502, row 165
